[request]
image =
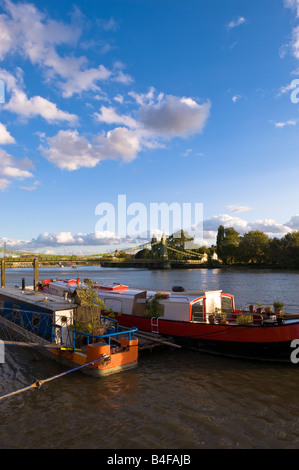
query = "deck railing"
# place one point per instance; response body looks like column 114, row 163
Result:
column 109, row 336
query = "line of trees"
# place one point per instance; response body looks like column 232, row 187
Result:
column 256, row 247
column 252, row 248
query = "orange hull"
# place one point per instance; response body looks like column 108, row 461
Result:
column 125, row 356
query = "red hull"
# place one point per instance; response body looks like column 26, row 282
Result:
column 229, row 333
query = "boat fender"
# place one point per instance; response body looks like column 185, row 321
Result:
column 178, row 289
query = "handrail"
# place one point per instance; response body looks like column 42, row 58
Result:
column 112, row 320
column 108, row 335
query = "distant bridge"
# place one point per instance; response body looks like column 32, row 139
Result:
column 104, row 262
column 191, row 258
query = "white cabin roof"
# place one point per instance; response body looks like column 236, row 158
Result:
column 36, row 298
column 115, row 290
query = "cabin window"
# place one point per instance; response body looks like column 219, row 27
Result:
column 35, row 320
column 1, row 305
column 16, row 312
column 227, row 304
column 197, row 312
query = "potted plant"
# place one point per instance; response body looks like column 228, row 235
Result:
column 222, row 319
column 251, row 308
column 268, row 311
column 244, row 319
column 212, row 317
column 278, row 306
column 259, row 308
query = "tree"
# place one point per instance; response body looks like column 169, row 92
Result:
column 227, row 243
column 290, row 250
column 88, row 313
column 220, row 241
column 254, row 247
column 143, row 254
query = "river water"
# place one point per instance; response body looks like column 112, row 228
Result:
column 174, row 399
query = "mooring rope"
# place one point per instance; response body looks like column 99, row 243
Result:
column 38, row 383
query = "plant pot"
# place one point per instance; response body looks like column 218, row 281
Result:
column 280, row 320
column 251, row 308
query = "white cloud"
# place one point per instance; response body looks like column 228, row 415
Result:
column 293, row 223
column 123, row 78
column 145, row 98
column 4, row 183
column 31, row 33
column 12, row 169
column 236, row 98
column 110, row 116
column 83, row 80
column 68, row 150
column 161, row 118
column 46, row 241
column 121, row 142
column 37, row 106
column 5, row 137
column 290, row 122
column 26, row 107
column 226, row 220
column 174, row 116
column 235, row 23
column 285, row 89
column 119, row 98
column 33, row 187
column 236, row 208
column 109, row 25
column 268, row 226
column 294, row 4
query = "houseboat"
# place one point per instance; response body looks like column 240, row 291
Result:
column 48, row 322
column 200, row 319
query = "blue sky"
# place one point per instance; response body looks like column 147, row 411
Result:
column 161, row 101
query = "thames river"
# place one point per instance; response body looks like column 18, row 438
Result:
column 174, row 399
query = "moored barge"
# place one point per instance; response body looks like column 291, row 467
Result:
column 47, row 322
column 206, row 319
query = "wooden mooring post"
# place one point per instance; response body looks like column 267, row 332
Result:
column 35, row 278
column 3, row 272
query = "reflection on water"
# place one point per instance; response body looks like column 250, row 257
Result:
column 174, row 399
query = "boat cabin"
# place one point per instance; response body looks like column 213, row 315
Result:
column 39, row 313
column 178, row 306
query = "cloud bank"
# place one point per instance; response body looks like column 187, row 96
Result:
column 151, row 119
column 157, row 121
column 96, row 242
